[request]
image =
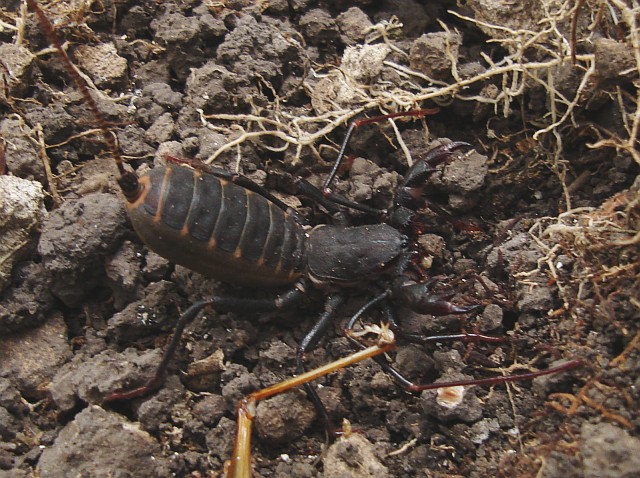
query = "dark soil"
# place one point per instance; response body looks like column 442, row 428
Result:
column 86, row 308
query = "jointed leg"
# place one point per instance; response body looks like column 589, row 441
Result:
column 240, row 466
column 234, row 304
column 301, row 187
column 309, row 342
column 408, row 385
column 360, row 122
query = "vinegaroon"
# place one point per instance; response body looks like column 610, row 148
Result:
column 227, row 227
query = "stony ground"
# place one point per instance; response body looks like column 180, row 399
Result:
column 538, row 224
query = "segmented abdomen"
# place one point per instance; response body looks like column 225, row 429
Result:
column 215, row 227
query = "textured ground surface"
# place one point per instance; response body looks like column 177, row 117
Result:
column 543, row 233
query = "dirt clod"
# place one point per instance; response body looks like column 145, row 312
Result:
column 454, row 404
column 92, row 381
column 20, row 152
column 283, row 417
column 111, row 445
column 34, row 356
column 354, row 24
column 354, row 456
column 21, row 213
column 19, row 61
column 75, row 240
column 427, row 54
column 609, row 451
column 103, row 64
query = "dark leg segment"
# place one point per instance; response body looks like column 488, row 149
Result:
column 309, row 342
column 418, row 298
column 406, row 384
column 234, row 304
column 356, row 124
column 409, row 195
column 299, row 186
